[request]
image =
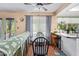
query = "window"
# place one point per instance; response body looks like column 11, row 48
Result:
column 39, row 24
column 7, row 28
column 10, row 27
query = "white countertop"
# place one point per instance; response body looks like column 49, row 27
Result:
column 67, row 35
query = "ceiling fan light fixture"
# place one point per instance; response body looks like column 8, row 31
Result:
column 40, row 6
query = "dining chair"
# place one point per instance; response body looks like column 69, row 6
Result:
column 40, row 46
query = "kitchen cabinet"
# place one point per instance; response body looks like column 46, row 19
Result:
column 68, row 45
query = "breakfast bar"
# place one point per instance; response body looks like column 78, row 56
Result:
column 69, row 43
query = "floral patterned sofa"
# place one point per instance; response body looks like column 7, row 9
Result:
column 10, row 46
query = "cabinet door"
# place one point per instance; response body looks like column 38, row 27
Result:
column 69, row 45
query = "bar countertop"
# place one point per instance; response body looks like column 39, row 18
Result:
column 67, row 35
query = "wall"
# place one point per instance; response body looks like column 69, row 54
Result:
column 20, row 26
column 54, row 23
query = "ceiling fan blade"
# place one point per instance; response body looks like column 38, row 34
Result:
column 47, row 3
column 27, row 4
column 44, row 8
column 32, row 4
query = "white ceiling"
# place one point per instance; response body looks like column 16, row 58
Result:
column 67, row 12
column 51, row 8
column 28, row 8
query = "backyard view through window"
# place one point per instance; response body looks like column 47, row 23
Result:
column 7, row 28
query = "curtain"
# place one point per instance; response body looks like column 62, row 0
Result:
column 29, row 27
column 39, row 25
column 29, row 24
column 48, row 26
column 2, row 29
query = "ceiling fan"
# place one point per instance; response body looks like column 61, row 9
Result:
column 39, row 5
